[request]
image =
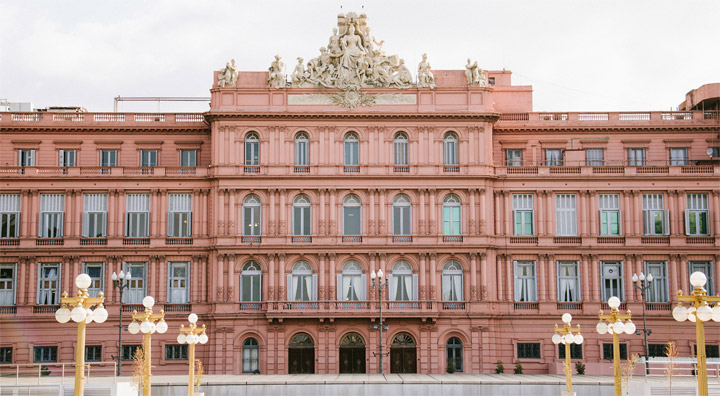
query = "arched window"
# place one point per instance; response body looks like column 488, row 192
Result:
column 251, row 356
column 352, row 149
column 352, row 354
column 352, row 220
column 402, row 215
column 302, row 149
column 403, row 283
column 301, row 354
column 251, row 282
column 451, row 215
column 252, row 211
column 452, row 281
column 302, row 215
column 450, row 149
column 400, row 149
column 454, row 353
column 403, row 354
column 351, row 284
column 302, row 283
column 252, row 149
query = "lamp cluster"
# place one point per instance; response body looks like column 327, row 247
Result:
column 616, row 326
column 147, row 327
column 79, row 312
column 702, row 311
column 564, row 335
column 192, row 338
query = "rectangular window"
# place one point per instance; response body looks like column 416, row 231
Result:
column 566, row 215
column 706, row 267
column 594, row 157
column 148, row 158
column 301, row 151
column 656, row 350
column 302, row 287
column 128, row 351
column 48, row 284
column 108, row 158
column 513, row 157
column 608, row 351
column 403, row 286
column 178, row 283
column 93, row 353
column 697, row 215
column 67, row 158
column 9, row 215
column 711, row 351
column 96, row 271
column 568, row 281
column 250, row 285
column 714, row 152
column 94, row 216
column 679, row 156
column 7, row 284
column 523, row 214
column 610, row 216
column 45, row 354
column 52, row 212
column 451, row 219
column 26, row 157
column 137, row 222
column 612, row 279
column 553, row 157
column 658, row 291
column 575, row 351
column 656, row 219
column 6, row 354
column 528, row 350
column 137, row 290
column 176, row 352
column 525, row 283
column 188, row 158
column 179, row 215
column 352, row 151
column 636, row 156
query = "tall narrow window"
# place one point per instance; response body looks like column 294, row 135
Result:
column 179, row 215
column 96, row 271
column 452, row 281
column 658, row 291
column 451, row 215
column 250, row 353
column 302, row 149
column 568, row 281
column 454, row 354
column 251, row 282
column 612, row 280
column 679, row 156
column 94, row 216
column 351, row 283
column 302, row 283
column 636, row 156
column 302, row 215
column 148, row 158
column 402, row 210
column 523, row 214
column 48, row 284
column 450, row 149
column 706, row 267
column 594, row 157
column 137, row 222
column 7, row 284
column 178, row 283
column 525, row 283
column 67, row 158
column 566, row 215
column 610, row 220
column 553, row 157
column 403, row 283
column 52, row 213
column 9, row 215
column 108, row 158
column 400, row 149
column 252, row 211
column 188, row 158
column 252, row 149
column 697, row 215
column 513, row 157
column 137, row 289
column 352, row 220
column 352, row 149
column 656, row 218
column 26, row 157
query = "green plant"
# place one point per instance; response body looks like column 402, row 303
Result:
column 450, row 367
column 518, row 368
column 580, row 368
column 44, row 371
column 499, row 369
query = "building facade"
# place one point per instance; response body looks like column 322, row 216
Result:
column 268, row 214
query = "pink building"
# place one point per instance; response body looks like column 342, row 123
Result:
column 267, row 214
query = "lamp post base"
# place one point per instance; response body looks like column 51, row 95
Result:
column 566, row 393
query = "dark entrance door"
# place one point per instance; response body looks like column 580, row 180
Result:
column 352, row 354
column 403, row 354
column 301, row 354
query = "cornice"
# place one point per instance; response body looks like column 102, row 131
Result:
column 279, row 115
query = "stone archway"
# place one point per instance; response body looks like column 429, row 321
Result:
column 301, row 354
column 352, row 354
column 403, row 354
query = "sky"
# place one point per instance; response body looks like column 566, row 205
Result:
column 579, row 55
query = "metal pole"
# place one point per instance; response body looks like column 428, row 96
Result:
column 645, row 331
column 191, row 356
column 616, row 364
column 568, row 371
column 146, row 352
column 80, row 359
column 701, row 358
column 119, row 355
column 381, row 325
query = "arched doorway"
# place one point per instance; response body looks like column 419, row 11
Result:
column 403, row 354
column 301, row 354
column 352, row 354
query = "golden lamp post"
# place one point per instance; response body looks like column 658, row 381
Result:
column 82, row 314
column 147, row 326
column 615, row 323
column 699, row 312
column 192, row 335
column 564, row 335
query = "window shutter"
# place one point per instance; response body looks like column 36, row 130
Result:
column 363, row 287
column 600, row 223
column 61, row 225
column 391, row 288
column 171, row 225
column 32, row 157
column 289, row 287
column 666, row 222
column 646, row 222
column 415, row 287
column 85, row 224
column 59, row 283
column 516, row 290
column 261, row 286
column 103, row 224
column 168, row 283
column 314, row 287
column 41, row 225
column 620, row 223
column 687, row 222
column 339, row 288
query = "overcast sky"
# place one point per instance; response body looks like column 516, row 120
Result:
column 579, row 55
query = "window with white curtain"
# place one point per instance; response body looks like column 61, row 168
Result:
column 566, row 215
column 251, row 356
column 252, row 149
column 452, row 281
column 302, row 283
column 402, row 212
column 513, row 157
column 610, row 217
column 525, row 282
column 452, row 215
column 7, row 283
column 352, row 149
column 67, row 158
column 179, row 215
column 252, row 212
column 251, row 282
column 351, row 284
column 594, row 157
column 658, row 290
column 403, row 283
column 96, row 272
column 612, row 280
column 137, row 221
column 523, row 213
column 178, row 282
column 352, row 219
column 636, row 156
column 108, row 158
column 302, row 215
column 450, row 149
column 697, row 215
column 94, row 216
column 49, row 283
column 400, row 149
column 52, row 215
column 26, row 157
column 137, row 289
column 656, row 219
column 188, row 158
column 679, row 156
column 553, row 157
column 706, row 267
column 302, row 149
column 568, row 281
column 9, row 215
column 148, row 158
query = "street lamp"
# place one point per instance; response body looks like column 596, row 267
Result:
column 82, row 315
column 699, row 312
column 615, row 323
column 379, row 284
column 643, row 284
column 564, row 335
column 120, row 281
column 190, row 336
column 147, row 327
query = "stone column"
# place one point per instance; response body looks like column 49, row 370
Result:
column 582, row 213
column 282, row 227
column 372, row 226
column 421, row 214
column 508, row 230
column 231, row 295
column 684, row 276
column 422, row 275
column 627, row 279
column 281, row 295
column 322, row 215
column 715, row 211
column 472, row 216
column 585, row 269
column 673, row 276
column 552, row 276
column 483, row 290
column 499, row 260
column 332, row 289
column 232, row 221
column 541, row 278
column 432, row 226
column 271, row 275
column 332, row 226
column 382, row 227
column 433, row 277
column 323, row 279
column 473, row 277
column 594, row 209
column 597, row 295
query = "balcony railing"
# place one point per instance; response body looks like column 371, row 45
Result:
column 252, row 169
column 569, row 306
column 177, row 307
column 301, row 306
column 453, row 306
column 700, row 240
column 49, row 242
column 451, row 169
column 301, row 239
column 526, row 306
column 178, row 241
column 252, row 306
column 8, row 310
column 629, row 117
column 524, row 240
column 401, row 169
column 256, row 240
column 9, row 242
column 45, row 309
column 611, row 240
column 352, row 239
column 658, row 306
column 403, row 305
column 133, row 307
column 655, row 240
column 452, row 238
column 93, row 241
column 136, row 241
column 402, row 238
column 352, row 305
column 605, row 307
column 567, row 240
column 351, row 169
column 301, row 169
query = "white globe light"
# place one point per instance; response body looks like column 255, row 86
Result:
column 78, row 314
column 122, row 274
column 145, row 327
column 192, row 318
column 380, row 274
column 698, row 279
column 704, row 313
column 566, row 318
column 100, row 315
column 153, row 328
column 62, row 315
column 133, row 328
column 89, row 316
column 691, row 314
column 630, row 328
column 148, row 302
column 579, row 339
column 203, row 338
column 601, row 328
column 556, row 338
column 569, row 338
column 614, row 302
column 161, row 327
column 610, row 329
column 181, row 338
column 680, row 313
column 619, row 327
column 83, row 281
column 190, row 339
column 716, row 312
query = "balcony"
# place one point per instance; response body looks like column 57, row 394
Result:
column 352, row 239
column 524, row 240
column 603, row 118
column 611, row 240
column 252, row 306
column 451, row 169
column 49, row 242
column 301, row 239
column 567, row 240
column 93, row 242
column 9, row 242
column 453, row 306
column 402, row 239
column 526, row 306
column 301, row 306
column 172, row 308
column 452, row 239
column 253, row 170
column 569, row 306
column 92, row 119
column 94, row 171
column 251, row 240
column 301, row 169
column 655, row 240
column 401, row 169
column 351, row 169
column 700, row 240
column 178, row 241
column 658, row 306
column 8, row 310
column 136, row 241
column 45, row 309
column 605, row 307
column 352, row 305
column 133, row 307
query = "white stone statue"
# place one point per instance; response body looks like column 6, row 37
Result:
column 402, row 77
column 474, row 74
column 425, row 76
column 276, row 77
column 228, row 75
column 298, row 75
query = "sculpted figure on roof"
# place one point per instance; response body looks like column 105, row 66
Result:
column 474, row 74
column 276, row 78
column 425, row 76
column 228, row 75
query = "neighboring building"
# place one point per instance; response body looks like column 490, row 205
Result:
column 267, row 215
